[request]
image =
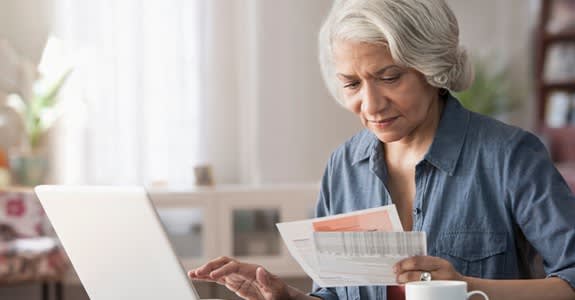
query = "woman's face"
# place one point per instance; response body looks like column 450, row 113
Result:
column 394, row 102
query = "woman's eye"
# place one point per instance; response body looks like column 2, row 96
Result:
column 351, row 85
column 390, row 79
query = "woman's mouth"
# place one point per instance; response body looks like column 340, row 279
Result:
column 383, row 123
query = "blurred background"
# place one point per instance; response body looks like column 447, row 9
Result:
column 157, row 87
column 179, row 94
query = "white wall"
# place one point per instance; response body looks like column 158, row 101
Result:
column 501, row 31
column 220, row 134
column 299, row 123
column 269, row 118
column 25, row 24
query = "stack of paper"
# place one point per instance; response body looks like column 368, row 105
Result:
column 357, row 248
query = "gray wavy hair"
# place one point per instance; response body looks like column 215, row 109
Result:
column 420, row 34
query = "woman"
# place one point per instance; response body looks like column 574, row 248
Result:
column 486, row 193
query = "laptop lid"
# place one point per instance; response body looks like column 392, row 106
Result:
column 116, row 242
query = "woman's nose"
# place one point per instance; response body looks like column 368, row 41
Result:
column 372, row 100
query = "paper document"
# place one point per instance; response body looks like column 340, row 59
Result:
column 385, row 219
column 365, row 256
column 357, row 248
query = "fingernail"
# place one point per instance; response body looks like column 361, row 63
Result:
column 395, row 269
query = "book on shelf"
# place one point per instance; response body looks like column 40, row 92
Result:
column 571, row 111
column 558, row 109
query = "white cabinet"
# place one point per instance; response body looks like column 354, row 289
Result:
column 236, row 221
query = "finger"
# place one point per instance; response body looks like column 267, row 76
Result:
column 271, row 286
column 229, row 268
column 247, row 271
column 418, row 263
column 408, row 276
column 212, row 265
column 221, row 280
column 192, row 275
column 266, row 280
column 262, row 277
column 205, row 279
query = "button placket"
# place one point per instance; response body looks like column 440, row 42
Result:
column 421, row 179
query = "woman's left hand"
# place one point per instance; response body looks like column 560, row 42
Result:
column 410, row 269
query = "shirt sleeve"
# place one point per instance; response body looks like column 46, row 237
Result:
column 322, row 210
column 543, row 205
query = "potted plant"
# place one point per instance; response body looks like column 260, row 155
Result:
column 30, row 165
column 490, row 92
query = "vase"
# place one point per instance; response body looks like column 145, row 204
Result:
column 12, row 130
column 29, row 169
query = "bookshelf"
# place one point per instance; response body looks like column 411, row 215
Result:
column 556, row 96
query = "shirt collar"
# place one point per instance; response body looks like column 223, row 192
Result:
column 366, row 145
column 446, row 146
column 448, row 141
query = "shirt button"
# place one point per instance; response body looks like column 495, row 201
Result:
column 417, row 211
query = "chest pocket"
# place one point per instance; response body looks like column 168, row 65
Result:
column 477, row 254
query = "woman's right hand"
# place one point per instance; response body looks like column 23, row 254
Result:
column 248, row 281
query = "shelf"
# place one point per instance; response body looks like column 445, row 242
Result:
column 559, row 37
column 560, row 130
column 566, row 131
column 567, row 170
column 561, row 142
column 560, row 85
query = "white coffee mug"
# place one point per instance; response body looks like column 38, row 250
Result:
column 439, row 290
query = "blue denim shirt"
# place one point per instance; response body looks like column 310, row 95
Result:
column 487, row 195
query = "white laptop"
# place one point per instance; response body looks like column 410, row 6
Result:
column 116, row 242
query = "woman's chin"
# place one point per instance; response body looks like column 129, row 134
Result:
column 387, row 136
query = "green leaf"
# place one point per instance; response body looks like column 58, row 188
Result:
column 489, row 94
column 48, row 99
column 39, row 105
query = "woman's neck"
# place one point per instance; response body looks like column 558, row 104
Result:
column 412, row 148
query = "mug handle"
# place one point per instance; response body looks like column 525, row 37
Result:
column 477, row 293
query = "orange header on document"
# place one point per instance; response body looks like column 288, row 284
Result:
column 373, row 221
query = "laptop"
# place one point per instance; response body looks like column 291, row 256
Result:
column 116, row 242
